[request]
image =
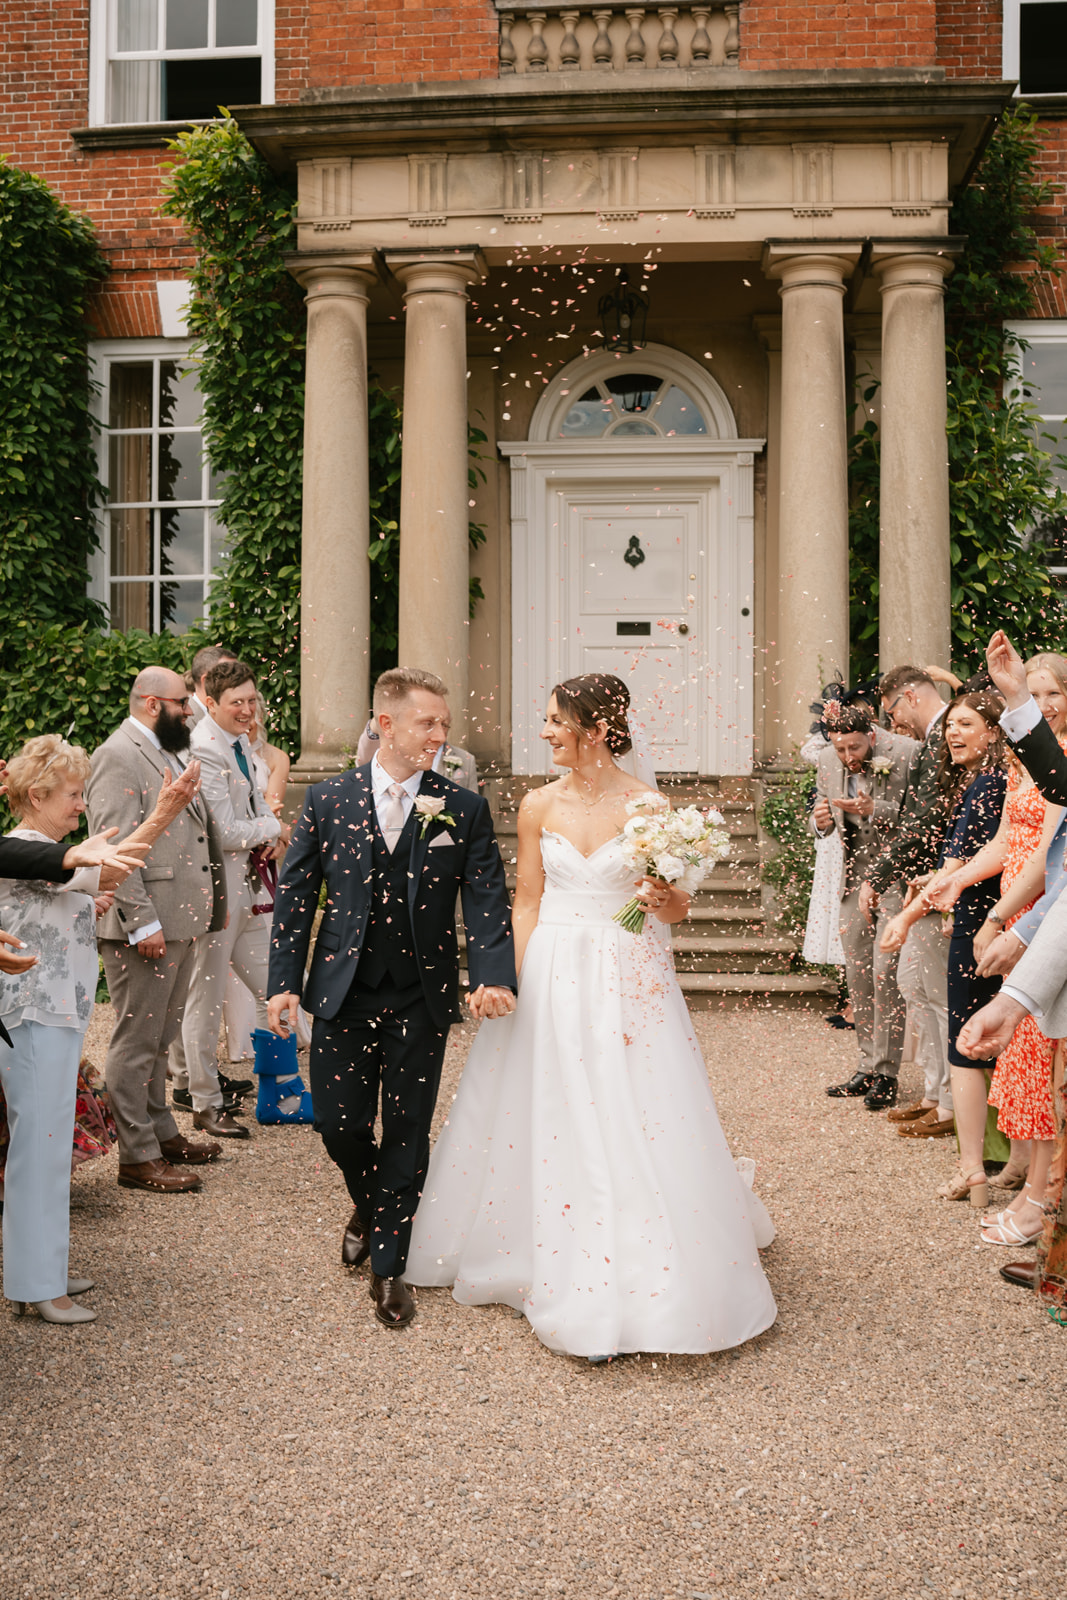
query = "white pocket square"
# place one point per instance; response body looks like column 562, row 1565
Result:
column 439, row 839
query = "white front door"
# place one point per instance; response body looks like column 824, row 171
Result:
column 578, row 509
column 632, row 576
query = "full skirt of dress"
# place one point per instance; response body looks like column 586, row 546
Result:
column 583, row 1177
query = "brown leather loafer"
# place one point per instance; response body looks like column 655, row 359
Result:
column 394, row 1303
column 355, row 1244
column 1021, row 1273
column 182, row 1152
column 929, row 1127
column 909, row 1113
column 158, row 1177
column 220, row 1124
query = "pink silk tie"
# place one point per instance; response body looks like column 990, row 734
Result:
column 392, row 815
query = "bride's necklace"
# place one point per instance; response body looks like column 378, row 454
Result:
column 590, row 805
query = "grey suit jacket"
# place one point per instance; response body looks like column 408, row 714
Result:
column 239, row 812
column 181, row 884
column 866, row 837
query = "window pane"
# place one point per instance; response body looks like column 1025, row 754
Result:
column 1043, row 49
column 131, row 606
column 135, row 24
column 181, row 473
column 1044, row 369
column 130, row 399
column 586, row 419
column 181, row 541
column 186, row 24
column 131, row 543
column 194, row 90
column 129, row 466
column 235, row 22
column 181, row 605
column 216, row 483
column 180, row 402
column 636, row 390
column 632, row 428
column 677, row 413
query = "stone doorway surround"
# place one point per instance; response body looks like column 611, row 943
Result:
column 711, row 474
column 834, row 186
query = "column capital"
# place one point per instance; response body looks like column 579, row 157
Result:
column 798, row 263
column 447, row 272
column 324, row 273
column 920, row 263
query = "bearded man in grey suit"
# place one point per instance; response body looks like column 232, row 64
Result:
column 149, row 937
column 860, row 785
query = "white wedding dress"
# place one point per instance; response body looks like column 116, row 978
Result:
column 582, row 1176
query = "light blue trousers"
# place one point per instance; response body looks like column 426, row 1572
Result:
column 40, row 1078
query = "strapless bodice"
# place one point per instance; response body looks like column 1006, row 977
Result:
column 582, row 888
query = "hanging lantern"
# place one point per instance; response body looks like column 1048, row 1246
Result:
column 623, row 314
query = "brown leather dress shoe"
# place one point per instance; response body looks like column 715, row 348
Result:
column 929, row 1127
column 158, row 1177
column 909, row 1113
column 182, row 1152
column 1021, row 1273
column 394, row 1303
column 220, row 1124
column 355, row 1245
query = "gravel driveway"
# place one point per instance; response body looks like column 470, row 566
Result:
column 236, row 1424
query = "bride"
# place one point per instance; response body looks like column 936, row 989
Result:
column 582, row 1176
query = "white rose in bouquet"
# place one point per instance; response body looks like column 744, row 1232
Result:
column 678, row 847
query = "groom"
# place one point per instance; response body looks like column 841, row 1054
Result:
column 394, row 842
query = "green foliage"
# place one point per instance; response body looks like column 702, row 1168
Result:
column 48, row 483
column 1003, row 503
column 247, row 316
column 384, row 550
column 790, row 870
column 76, row 681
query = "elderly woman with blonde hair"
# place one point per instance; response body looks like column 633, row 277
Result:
column 46, row 1010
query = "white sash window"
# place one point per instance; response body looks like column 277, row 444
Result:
column 179, row 60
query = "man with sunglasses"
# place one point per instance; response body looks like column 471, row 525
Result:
column 149, row 937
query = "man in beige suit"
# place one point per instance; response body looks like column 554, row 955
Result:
column 149, row 937
column 860, row 784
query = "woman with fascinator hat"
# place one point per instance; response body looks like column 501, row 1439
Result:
column 582, row 1176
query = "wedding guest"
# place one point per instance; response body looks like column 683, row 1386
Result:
column 910, row 700
column 1022, row 1082
column 45, row 1011
column 210, row 656
column 450, row 761
column 148, row 940
column 244, row 823
column 973, row 782
column 860, row 784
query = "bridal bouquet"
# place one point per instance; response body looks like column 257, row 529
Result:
column 681, row 847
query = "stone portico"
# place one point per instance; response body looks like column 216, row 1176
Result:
column 792, row 231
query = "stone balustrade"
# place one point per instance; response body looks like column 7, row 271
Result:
column 615, row 36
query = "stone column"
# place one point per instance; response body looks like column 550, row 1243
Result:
column 335, row 529
column 914, row 583
column 813, row 618
column 434, row 513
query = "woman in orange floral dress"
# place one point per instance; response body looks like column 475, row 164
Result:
column 1022, row 1081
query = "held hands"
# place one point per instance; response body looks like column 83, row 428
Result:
column 989, row 1031
column 490, row 1002
column 14, row 965
column 276, row 1005
column 1006, row 670
column 1004, row 953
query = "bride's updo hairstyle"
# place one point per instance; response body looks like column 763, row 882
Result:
column 596, row 697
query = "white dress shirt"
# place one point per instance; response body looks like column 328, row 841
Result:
column 381, row 782
column 1017, row 724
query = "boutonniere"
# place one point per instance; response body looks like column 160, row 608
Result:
column 882, row 766
column 431, row 808
column 451, row 764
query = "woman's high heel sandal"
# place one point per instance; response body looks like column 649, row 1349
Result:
column 50, row 1312
column 972, row 1186
column 1005, row 1229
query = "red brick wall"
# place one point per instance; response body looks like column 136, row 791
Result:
column 849, row 33
column 400, row 41
column 1052, row 219
column 969, row 43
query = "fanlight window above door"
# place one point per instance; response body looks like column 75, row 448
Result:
column 633, row 404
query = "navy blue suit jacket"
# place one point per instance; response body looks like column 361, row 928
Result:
column 332, row 844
